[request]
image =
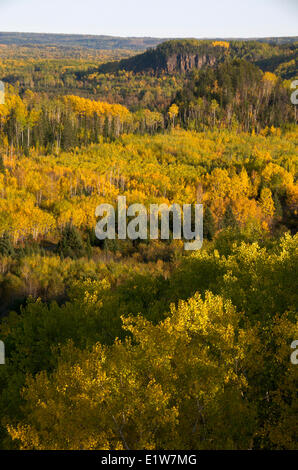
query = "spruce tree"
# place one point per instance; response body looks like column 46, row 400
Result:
column 229, row 219
column 2, row 167
column 88, row 247
column 208, row 224
column 6, row 247
column 71, row 243
column 278, row 207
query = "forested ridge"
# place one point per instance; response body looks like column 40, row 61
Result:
column 88, row 41
column 122, row 344
column 180, row 56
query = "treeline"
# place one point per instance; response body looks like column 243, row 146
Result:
column 234, row 95
column 67, row 122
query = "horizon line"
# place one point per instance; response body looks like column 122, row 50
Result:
column 150, row 37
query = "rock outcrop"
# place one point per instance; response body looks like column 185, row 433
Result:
column 185, row 62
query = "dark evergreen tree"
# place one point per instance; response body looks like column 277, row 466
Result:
column 68, row 136
column 278, row 207
column 71, row 243
column 6, row 246
column 28, row 250
column 20, row 253
column 2, row 167
column 94, row 241
column 106, row 129
column 229, row 219
column 88, row 247
column 208, row 224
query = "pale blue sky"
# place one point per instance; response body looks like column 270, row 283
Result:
column 161, row 18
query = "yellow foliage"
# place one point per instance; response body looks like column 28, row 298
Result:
column 221, row 44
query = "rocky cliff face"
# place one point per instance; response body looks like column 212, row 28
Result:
column 185, row 62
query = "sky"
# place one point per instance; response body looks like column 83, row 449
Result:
column 156, row 18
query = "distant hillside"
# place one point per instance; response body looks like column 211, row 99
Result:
column 106, row 42
column 78, row 40
column 180, row 56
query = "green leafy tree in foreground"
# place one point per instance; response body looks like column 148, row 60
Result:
column 179, row 384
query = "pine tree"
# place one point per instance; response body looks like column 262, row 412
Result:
column 208, row 224
column 68, row 139
column 71, row 243
column 229, row 219
column 6, row 247
column 106, row 129
column 278, row 214
column 2, row 167
column 88, row 247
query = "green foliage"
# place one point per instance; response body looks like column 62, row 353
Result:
column 260, row 283
column 177, row 376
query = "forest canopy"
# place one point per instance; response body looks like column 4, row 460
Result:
column 138, row 344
